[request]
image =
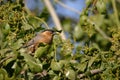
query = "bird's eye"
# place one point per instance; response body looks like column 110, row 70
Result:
column 51, row 32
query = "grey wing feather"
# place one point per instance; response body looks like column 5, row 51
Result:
column 33, row 41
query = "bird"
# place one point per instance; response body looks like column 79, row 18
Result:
column 45, row 37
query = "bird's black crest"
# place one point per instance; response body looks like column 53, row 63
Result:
column 49, row 30
column 52, row 30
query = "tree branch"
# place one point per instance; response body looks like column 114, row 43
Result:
column 67, row 7
column 54, row 17
column 92, row 72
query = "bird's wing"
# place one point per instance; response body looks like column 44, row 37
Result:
column 34, row 41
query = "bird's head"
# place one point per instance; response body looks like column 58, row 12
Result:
column 51, row 32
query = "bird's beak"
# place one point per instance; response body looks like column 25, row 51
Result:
column 57, row 32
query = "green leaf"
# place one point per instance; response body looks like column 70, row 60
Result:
column 64, row 62
column 27, row 57
column 52, row 73
column 34, row 65
column 41, row 50
column 92, row 60
column 78, row 32
column 26, row 26
column 55, row 66
column 17, row 68
column 83, row 19
column 12, row 59
column 6, row 28
column 70, row 74
column 101, row 6
column 34, row 21
column 66, row 50
column 82, row 66
column 18, row 44
column 56, row 78
column 84, row 59
column 4, row 75
column 88, row 3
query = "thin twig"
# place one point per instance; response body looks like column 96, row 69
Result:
column 3, row 60
column 41, row 75
column 67, row 7
column 54, row 17
column 102, row 33
column 99, row 30
column 92, row 72
column 115, row 12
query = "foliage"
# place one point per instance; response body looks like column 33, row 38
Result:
column 98, row 30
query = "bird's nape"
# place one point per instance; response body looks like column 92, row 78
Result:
column 53, row 30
